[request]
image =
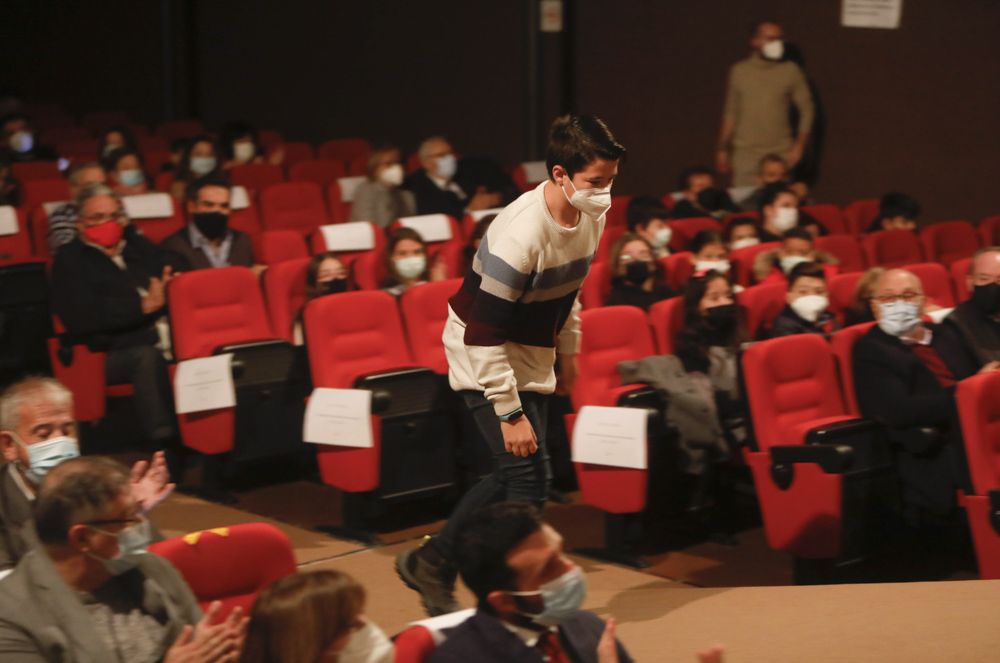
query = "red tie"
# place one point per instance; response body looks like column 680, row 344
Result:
column 552, row 648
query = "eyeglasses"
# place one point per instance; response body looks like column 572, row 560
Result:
column 128, row 520
column 94, row 219
column 909, row 297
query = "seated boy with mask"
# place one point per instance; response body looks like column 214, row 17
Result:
column 806, row 309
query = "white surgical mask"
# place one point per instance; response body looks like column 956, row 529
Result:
column 43, row 456
column 721, row 266
column 773, row 50
column 562, row 597
column 131, row 177
column 662, row 237
column 899, row 318
column 21, row 141
column 392, row 175
column 244, row 151
column 785, row 218
column 788, row 263
column 809, row 307
column 202, row 165
column 744, row 243
column 411, row 267
column 592, row 202
column 446, row 166
column 367, row 645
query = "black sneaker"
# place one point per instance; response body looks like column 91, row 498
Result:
column 429, row 574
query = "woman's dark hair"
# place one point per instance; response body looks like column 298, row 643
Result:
column 704, row 238
column 770, row 193
column 391, row 277
column 691, row 171
column 895, row 204
column 695, row 336
column 659, row 275
column 127, row 135
column 727, row 232
column 231, row 131
column 312, row 273
column 184, row 173
column 577, row 140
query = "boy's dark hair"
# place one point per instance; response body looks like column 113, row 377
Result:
column 486, row 538
column 770, row 193
column 212, row 179
column 691, row 171
column 716, row 200
column 812, row 270
column 727, row 233
column 703, row 238
column 897, row 204
column 643, row 209
column 797, row 233
column 577, row 140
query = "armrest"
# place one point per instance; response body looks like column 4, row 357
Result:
column 402, row 392
column 831, row 458
column 865, row 437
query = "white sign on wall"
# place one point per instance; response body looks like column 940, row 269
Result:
column 871, row 13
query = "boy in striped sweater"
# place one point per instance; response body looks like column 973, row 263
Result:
column 515, row 313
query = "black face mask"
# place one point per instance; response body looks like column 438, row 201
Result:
column 334, row 287
column 637, row 272
column 986, row 298
column 722, row 318
column 213, row 225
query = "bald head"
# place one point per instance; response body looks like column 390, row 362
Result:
column 896, row 285
column 985, row 266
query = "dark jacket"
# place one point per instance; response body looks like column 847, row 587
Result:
column 99, row 303
column 471, row 174
column 789, row 323
column 17, row 526
column 980, row 332
column 624, row 293
column 184, row 257
column 484, row 639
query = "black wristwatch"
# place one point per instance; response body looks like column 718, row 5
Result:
column 512, row 416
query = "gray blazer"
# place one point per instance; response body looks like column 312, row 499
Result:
column 42, row 619
column 17, row 526
column 381, row 204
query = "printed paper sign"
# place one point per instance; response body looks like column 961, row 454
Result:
column 8, row 221
column 432, row 227
column 613, row 436
column 204, row 384
column 353, row 236
column 341, row 417
column 238, row 198
column 149, row 206
column 871, row 13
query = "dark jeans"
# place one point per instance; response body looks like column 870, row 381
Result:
column 514, row 478
column 143, row 367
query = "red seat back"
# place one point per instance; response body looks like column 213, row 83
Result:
column 293, row 206
column 742, row 261
column 892, row 248
column 936, row 282
column 989, row 230
column 948, row 241
column 256, row 176
column 609, row 335
column 414, row 645
column 230, row 564
column 425, row 310
column 596, row 287
column 829, row 216
column 57, row 135
column 979, row 410
column 527, row 175
column 295, row 152
column 617, row 214
column 841, row 291
column 156, row 214
column 275, row 246
column 285, row 295
column 845, row 248
column 678, row 268
column 79, row 150
column 762, row 304
column 959, row 278
column 344, row 150
column 35, row 170
column 859, row 214
column 36, row 192
column 667, row 319
column 842, row 341
column 320, row 171
column 686, row 229
column 608, row 239
column 174, row 129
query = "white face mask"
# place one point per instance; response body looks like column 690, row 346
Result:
column 411, row 267
column 244, row 151
column 744, row 243
column 899, row 318
column 809, row 307
column 367, row 644
column 21, row 141
column 785, row 218
column 592, row 202
column 662, row 237
column 202, row 165
column 721, row 266
column 788, row 263
column 773, row 50
column 392, row 175
column 562, row 597
column 447, row 166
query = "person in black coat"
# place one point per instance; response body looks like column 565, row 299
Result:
column 447, row 185
column 108, row 290
column 905, row 372
column 807, row 300
column 529, row 595
column 978, row 319
column 637, row 279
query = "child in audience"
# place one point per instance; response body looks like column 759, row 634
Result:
column 115, row 138
column 406, row 263
column 313, row 616
column 741, row 233
column 896, row 211
column 709, row 252
column 779, row 211
column 796, row 247
column 380, row 199
column 647, row 217
column 200, row 158
column 637, row 278
column 807, row 302
column 240, row 146
column 126, row 171
column 325, row 275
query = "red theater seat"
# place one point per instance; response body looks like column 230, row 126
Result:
column 989, row 230
column 78, row 151
column 256, row 176
column 842, row 342
column 678, row 268
column 344, row 149
column 596, row 287
column 742, row 261
column 892, row 248
column 829, row 216
column 667, row 319
column 860, row 214
column 230, row 564
column 960, row 278
column 846, row 249
column 425, row 310
column 157, row 214
column 936, row 282
column 320, row 171
column 978, row 400
column 686, row 229
column 762, row 304
column 841, row 288
column 297, row 151
column 616, row 217
column 529, row 174
column 611, row 334
column 275, row 246
column 36, row 192
column 293, row 206
column 948, row 241
column 285, row 295
column 35, row 170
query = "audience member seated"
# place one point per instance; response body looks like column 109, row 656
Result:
column 772, row 169
column 796, row 247
column 406, row 262
column 126, row 172
column 647, row 216
column 896, row 211
column 716, row 203
column 709, row 253
column 637, row 278
column 779, row 212
column 88, row 593
column 208, row 241
column 379, row 198
column 37, row 433
column 314, row 616
column 529, row 595
column 19, row 144
column 807, row 302
column 476, row 239
column 690, row 183
column 860, row 309
column 116, row 138
column 445, row 185
column 63, row 220
column 108, row 289
column 325, row 275
column 10, row 188
column 978, row 318
column 905, row 372
column 240, row 145
column 200, row 158
column 741, row 233
column 177, row 148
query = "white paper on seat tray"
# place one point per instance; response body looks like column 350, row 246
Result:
column 51, row 207
column 432, row 227
column 738, row 193
column 939, row 315
column 478, row 214
column 348, row 185
column 149, row 206
column 8, row 221
column 204, row 384
column 340, row 417
column 438, row 624
column 613, row 436
column 238, row 198
column 353, row 236
column 535, row 171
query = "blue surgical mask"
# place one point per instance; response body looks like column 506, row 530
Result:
column 202, row 165
column 447, row 165
column 563, row 597
column 899, row 318
column 43, row 456
column 132, row 540
column 131, row 177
